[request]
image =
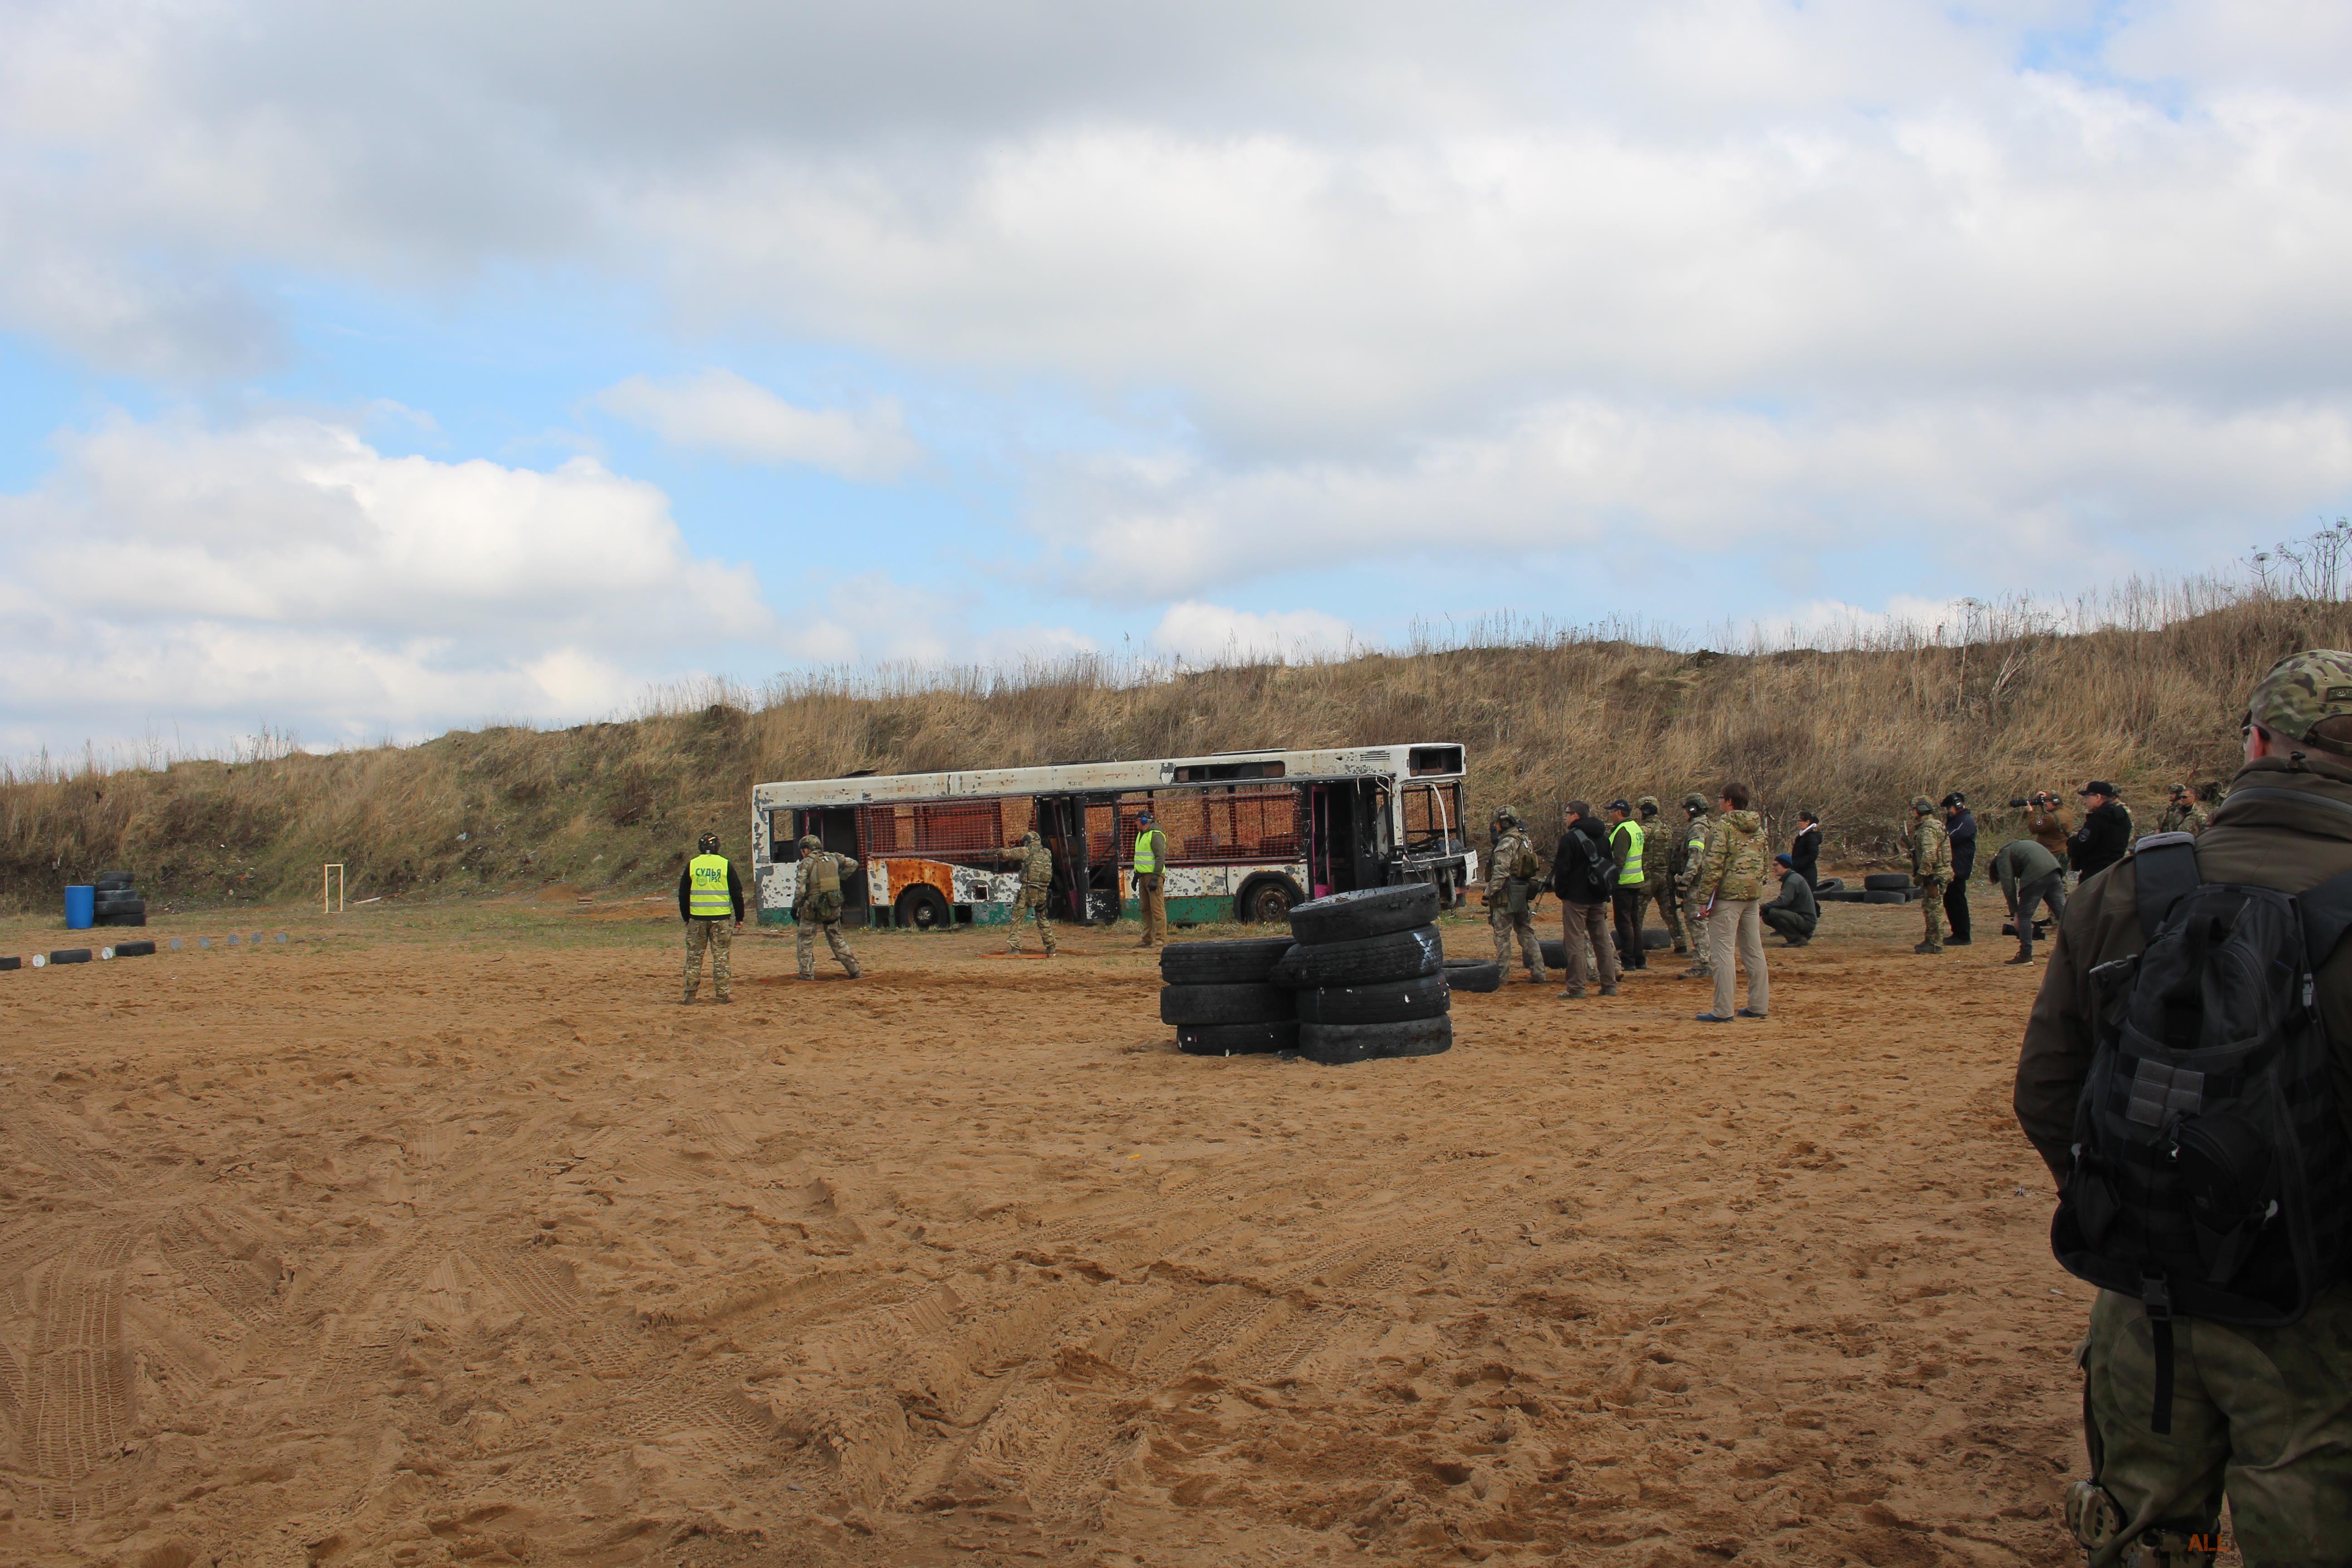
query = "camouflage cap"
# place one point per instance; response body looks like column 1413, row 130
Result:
column 1648, row 803
column 1922, row 805
column 811, row 841
column 2307, row 699
column 1694, row 802
column 2176, row 789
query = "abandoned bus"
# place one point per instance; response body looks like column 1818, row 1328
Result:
column 1249, row 834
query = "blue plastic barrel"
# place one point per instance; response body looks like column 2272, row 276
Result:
column 81, row 907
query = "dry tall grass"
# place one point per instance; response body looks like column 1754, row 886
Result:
column 1992, row 709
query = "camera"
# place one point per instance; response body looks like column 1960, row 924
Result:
column 2017, row 804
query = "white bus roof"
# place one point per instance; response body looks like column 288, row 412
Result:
column 1436, row 761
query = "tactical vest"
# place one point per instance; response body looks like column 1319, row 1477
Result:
column 1037, row 868
column 820, row 886
column 706, row 889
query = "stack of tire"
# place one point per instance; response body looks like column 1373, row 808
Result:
column 1833, row 891
column 118, row 903
column 1889, row 888
column 1370, row 975
column 1223, row 999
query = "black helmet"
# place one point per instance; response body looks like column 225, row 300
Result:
column 707, row 844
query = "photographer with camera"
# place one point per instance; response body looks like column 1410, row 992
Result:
column 2049, row 823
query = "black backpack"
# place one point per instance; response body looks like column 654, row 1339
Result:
column 1592, row 880
column 2209, row 1176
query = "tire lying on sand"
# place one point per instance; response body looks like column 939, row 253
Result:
column 70, row 955
column 1367, row 960
column 1840, row 896
column 1656, row 938
column 1368, row 912
column 1236, row 1039
column 1246, row 961
column 1474, row 974
column 1885, row 881
column 133, row 949
column 1335, row 1044
column 1395, row 1002
column 1257, row 1004
column 1884, row 896
column 1829, row 885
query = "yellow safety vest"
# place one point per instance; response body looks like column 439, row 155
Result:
column 1147, row 852
column 1631, row 871
column 706, row 889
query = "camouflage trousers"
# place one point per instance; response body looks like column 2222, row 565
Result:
column 805, row 930
column 1693, row 907
column 1662, row 890
column 719, row 936
column 1030, row 903
column 2261, row 1416
column 1931, row 913
column 1506, row 925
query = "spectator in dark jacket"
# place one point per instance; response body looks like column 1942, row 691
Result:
column 1584, row 876
column 1960, row 830
column 1805, row 850
column 1793, row 914
column 2104, row 835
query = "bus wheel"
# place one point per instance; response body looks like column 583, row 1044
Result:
column 922, row 908
column 1268, row 901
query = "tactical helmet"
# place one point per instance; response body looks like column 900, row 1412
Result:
column 1922, row 805
column 811, row 841
column 1649, row 804
column 2175, row 790
column 1029, row 840
column 1509, row 814
column 1694, row 802
column 707, row 844
column 2306, row 698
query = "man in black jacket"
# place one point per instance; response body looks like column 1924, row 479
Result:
column 1584, row 876
column 2104, row 835
column 1805, row 849
column 1960, row 830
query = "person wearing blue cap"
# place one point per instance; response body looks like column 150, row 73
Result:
column 1795, row 914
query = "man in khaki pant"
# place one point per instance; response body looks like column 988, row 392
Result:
column 1150, row 874
column 1734, row 883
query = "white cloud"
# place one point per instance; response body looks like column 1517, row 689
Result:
column 1205, row 633
column 288, row 571
column 718, row 411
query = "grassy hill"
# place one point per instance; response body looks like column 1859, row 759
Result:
column 1852, row 733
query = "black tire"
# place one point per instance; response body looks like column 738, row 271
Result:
column 1841, row 896
column 120, row 918
column 108, row 880
column 1225, row 1004
column 1881, row 896
column 1555, row 954
column 1656, row 938
column 1236, row 1039
column 1334, row 1045
column 1887, row 881
column 1369, row 911
column 922, row 908
column 123, row 906
column 1400, row 955
column 11, row 962
column 70, row 955
column 1246, row 962
column 1395, row 1003
column 1829, row 885
column 1475, row 975
column 1266, row 900
column 133, row 949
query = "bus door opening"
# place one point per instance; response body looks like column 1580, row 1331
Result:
column 1332, row 851
column 835, row 828
column 1062, row 824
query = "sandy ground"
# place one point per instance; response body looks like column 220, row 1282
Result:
column 448, row 1235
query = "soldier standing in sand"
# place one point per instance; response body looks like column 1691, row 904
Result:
column 1659, row 846
column 1931, row 867
column 1690, row 876
column 1512, row 884
column 710, row 902
column 1036, row 890
column 816, row 906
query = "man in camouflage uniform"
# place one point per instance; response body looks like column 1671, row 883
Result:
column 2184, row 813
column 1931, row 867
column 1512, row 883
column 2261, row 1416
column 816, row 905
column 1657, row 869
column 1036, row 890
column 1690, row 872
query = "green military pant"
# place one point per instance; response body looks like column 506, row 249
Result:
column 2261, row 1416
column 805, row 928
column 1031, row 904
column 1661, row 890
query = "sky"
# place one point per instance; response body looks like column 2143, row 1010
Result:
column 370, row 370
